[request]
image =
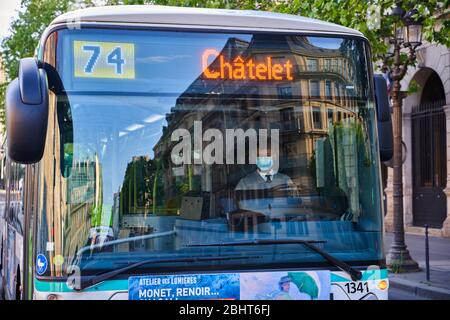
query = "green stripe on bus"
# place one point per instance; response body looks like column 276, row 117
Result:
column 383, row 274
column 110, row 285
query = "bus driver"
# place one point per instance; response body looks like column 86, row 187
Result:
column 264, row 184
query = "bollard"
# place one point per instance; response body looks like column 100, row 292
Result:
column 427, row 253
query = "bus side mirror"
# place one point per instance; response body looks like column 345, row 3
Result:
column 384, row 123
column 27, row 113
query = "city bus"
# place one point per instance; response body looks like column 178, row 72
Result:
column 165, row 153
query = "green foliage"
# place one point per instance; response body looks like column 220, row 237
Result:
column 224, row 4
column 2, row 98
column 142, row 190
column 25, row 32
column 413, row 87
column 372, row 17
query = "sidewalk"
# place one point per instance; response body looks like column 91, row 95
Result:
column 415, row 282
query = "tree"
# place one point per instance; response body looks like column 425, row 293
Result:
column 2, row 108
column 224, row 4
column 372, row 17
column 25, row 32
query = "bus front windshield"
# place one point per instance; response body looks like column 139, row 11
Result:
column 161, row 141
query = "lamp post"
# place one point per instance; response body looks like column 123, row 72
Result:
column 407, row 34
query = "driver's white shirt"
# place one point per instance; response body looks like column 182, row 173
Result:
column 259, row 181
column 266, row 175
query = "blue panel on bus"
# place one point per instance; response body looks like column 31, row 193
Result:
column 184, row 287
column 302, row 285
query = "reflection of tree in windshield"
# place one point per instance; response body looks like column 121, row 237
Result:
column 137, row 192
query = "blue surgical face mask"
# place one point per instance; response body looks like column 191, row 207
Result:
column 264, row 163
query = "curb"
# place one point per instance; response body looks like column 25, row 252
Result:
column 420, row 289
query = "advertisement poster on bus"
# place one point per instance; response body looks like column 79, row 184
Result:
column 304, row 285
column 301, row 285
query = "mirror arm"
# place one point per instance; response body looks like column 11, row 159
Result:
column 384, row 122
column 54, row 80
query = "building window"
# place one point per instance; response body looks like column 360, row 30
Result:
column 328, row 89
column 330, row 113
column 288, row 119
column 345, row 67
column 336, row 91
column 312, row 64
column 342, row 94
column 314, row 88
column 327, row 65
column 317, row 118
column 278, row 60
column 284, row 92
column 334, row 66
column 345, row 95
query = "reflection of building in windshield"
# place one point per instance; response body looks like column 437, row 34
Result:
column 84, row 204
column 313, row 112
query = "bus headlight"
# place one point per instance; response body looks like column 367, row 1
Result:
column 382, row 285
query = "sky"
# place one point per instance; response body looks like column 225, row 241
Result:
column 8, row 10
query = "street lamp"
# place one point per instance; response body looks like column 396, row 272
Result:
column 389, row 43
column 399, row 33
column 412, row 30
column 398, row 13
column 407, row 33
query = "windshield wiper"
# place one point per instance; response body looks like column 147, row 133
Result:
column 354, row 274
column 85, row 283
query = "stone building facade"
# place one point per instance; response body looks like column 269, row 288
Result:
column 426, row 137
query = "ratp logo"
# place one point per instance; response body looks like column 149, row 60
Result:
column 41, row 264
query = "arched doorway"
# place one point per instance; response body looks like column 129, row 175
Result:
column 429, row 155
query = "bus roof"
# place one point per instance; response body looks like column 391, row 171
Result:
column 201, row 17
